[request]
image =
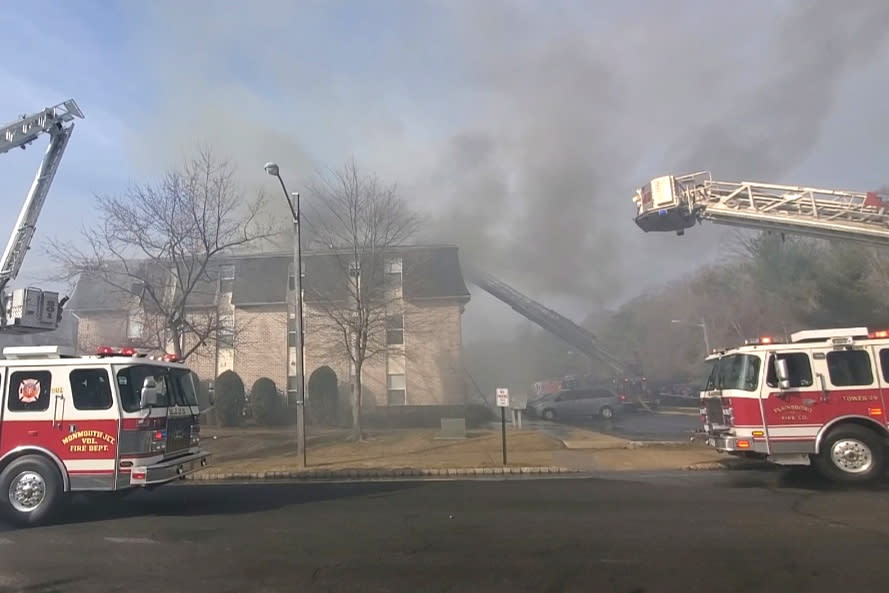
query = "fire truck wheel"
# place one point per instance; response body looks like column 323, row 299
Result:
column 851, row 454
column 32, row 490
column 549, row 415
column 607, row 413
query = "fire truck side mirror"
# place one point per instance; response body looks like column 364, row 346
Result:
column 149, row 393
column 782, row 372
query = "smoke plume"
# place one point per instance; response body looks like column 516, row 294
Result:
column 520, row 131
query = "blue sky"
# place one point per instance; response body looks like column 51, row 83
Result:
column 521, row 128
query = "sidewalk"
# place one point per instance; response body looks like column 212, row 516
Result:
column 257, row 453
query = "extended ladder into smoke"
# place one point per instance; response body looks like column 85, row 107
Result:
column 553, row 322
column 675, row 203
column 556, row 324
column 31, row 309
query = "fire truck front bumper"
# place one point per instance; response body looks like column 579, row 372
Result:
column 725, row 443
column 169, row 469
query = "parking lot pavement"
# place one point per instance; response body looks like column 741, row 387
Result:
column 659, row 425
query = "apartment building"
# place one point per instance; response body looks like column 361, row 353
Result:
column 417, row 295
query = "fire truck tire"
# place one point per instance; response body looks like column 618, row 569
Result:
column 32, row 490
column 549, row 414
column 851, row 454
column 607, row 412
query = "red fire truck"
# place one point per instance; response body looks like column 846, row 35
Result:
column 817, row 399
column 113, row 421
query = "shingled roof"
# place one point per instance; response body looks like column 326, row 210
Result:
column 429, row 272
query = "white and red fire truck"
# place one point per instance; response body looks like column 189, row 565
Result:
column 113, row 421
column 819, row 398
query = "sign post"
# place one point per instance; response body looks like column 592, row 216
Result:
column 503, row 403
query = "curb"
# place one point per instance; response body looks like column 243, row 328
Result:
column 660, row 444
column 370, row 474
column 730, row 464
column 633, row 445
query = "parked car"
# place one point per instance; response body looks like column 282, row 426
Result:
column 577, row 403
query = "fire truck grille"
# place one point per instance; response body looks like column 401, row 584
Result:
column 178, row 434
column 714, row 410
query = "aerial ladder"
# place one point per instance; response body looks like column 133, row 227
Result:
column 676, row 203
column 30, row 310
column 558, row 325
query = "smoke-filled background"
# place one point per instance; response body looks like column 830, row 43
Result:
column 519, row 129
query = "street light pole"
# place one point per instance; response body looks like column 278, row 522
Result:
column 703, row 325
column 273, row 170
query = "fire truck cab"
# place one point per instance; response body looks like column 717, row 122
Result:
column 819, row 399
column 114, row 421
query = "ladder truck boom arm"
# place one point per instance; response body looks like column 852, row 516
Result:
column 546, row 318
column 675, row 203
column 42, row 308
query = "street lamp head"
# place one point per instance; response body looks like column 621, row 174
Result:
column 272, row 169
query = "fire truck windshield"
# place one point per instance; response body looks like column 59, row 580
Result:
column 735, row 371
column 174, row 386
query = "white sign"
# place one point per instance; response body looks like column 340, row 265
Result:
column 502, row 397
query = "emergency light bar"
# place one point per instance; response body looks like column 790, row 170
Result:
column 757, row 341
column 132, row 352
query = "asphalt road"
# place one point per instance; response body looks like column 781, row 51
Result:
column 682, row 532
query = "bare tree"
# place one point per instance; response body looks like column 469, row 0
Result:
column 359, row 220
column 157, row 246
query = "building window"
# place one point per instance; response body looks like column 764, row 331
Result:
column 397, row 392
column 393, row 278
column 395, row 329
column 226, row 331
column 393, row 265
column 226, row 278
column 137, row 289
column 135, row 325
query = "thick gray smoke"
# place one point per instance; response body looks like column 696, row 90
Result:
column 574, row 117
column 522, row 132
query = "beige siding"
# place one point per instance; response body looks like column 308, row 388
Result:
column 433, row 353
column 431, row 358
column 261, row 344
column 325, row 346
column 101, row 329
